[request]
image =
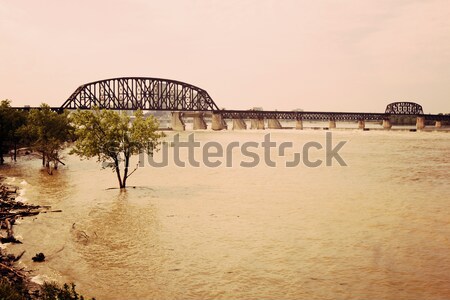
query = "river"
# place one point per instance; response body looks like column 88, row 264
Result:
column 378, row 228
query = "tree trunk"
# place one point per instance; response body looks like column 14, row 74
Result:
column 43, row 159
column 15, row 150
column 125, row 175
column 116, row 165
column 1, row 153
column 48, row 167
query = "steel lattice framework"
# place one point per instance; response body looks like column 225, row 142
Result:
column 299, row 115
column 404, row 108
column 132, row 93
column 145, row 93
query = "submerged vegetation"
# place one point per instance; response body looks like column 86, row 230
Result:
column 113, row 138
column 109, row 136
column 41, row 130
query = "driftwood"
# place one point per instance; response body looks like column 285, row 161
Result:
column 10, row 210
column 10, row 269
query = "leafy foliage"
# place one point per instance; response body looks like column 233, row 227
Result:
column 48, row 291
column 11, row 120
column 47, row 131
column 9, row 291
column 52, row 291
column 114, row 137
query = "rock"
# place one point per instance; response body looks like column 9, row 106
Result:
column 39, row 257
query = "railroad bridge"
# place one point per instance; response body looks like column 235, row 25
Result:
column 186, row 100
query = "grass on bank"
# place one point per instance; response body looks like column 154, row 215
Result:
column 48, row 291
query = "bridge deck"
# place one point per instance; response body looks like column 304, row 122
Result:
column 300, row 115
column 296, row 115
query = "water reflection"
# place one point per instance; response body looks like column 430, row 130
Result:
column 118, row 236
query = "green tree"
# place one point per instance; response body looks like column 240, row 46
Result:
column 18, row 120
column 10, row 122
column 113, row 138
column 5, row 126
column 47, row 131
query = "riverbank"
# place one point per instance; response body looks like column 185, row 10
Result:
column 16, row 282
column 227, row 233
column 11, row 210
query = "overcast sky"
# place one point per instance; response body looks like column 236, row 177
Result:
column 327, row 55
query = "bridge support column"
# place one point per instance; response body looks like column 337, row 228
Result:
column 218, row 123
column 260, row 124
column 199, row 122
column 177, row 122
column 332, row 124
column 299, row 124
column 239, row 124
column 274, row 124
column 438, row 124
column 257, row 124
column 361, row 124
column 420, row 123
column 387, row 124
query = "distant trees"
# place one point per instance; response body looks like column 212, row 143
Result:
column 113, row 138
column 403, row 120
column 46, row 132
column 411, row 120
column 43, row 130
column 11, row 121
column 110, row 136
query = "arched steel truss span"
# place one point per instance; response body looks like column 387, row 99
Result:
column 132, row 93
column 404, row 108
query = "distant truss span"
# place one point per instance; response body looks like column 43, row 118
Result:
column 404, row 108
column 132, row 93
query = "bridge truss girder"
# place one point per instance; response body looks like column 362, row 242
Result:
column 132, row 93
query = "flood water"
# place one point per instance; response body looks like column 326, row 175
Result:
column 378, row 228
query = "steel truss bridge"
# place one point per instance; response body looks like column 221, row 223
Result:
column 157, row 94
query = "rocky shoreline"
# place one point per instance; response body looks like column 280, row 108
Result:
column 10, row 211
column 15, row 282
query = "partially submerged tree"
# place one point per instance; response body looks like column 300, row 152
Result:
column 18, row 119
column 113, row 138
column 47, row 131
column 11, row 120
column 5, row 126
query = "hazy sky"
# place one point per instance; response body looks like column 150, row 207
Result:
column 329, row 55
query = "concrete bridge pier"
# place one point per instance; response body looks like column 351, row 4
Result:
column 438, row 124
column 387, row 124
column 361, row 124
column 199, row 122
column 177, row 121
column 332, row 123
column 274, row 124
column 257, row 124
column 218, row 123
column 239, row 124
column 299, row 124
column 420, row 123
column 260, row 124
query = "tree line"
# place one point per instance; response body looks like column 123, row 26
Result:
column 411, row 120
column 109, row 136
column 40, row 130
